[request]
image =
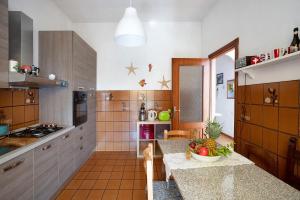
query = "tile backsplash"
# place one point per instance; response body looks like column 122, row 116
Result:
column 19, row 107
column 267, row 116
column 117, row 113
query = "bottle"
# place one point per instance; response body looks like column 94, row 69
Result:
column 142, row 114
column 296, row 40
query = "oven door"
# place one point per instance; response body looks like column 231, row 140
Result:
column 79, row 108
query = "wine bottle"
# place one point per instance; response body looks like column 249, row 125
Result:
column 296, row 40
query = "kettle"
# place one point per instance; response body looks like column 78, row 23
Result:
column 152, row 115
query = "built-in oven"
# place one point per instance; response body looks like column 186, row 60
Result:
column 80, row 110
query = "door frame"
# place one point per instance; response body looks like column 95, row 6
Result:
column 228, row 47
column 176, row 97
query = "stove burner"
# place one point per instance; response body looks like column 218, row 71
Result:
column 37, row 132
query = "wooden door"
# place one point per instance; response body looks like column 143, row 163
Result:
column 3, row 44
column 191, row 94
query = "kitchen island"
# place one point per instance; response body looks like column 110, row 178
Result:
column 226, row 182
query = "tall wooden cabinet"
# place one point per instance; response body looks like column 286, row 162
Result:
column 3, row 43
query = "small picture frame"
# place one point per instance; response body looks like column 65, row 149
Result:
column 220, row 78
column 230, row 89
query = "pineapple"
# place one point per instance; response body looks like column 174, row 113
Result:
column 212, row 131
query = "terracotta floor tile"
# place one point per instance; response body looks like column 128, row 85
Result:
column 66, row 195
column 138, row 195
column 126, row 184
column 81, row 195
column 100, row 184
column 128, row 175
column 110, row 162
column 87, row 184
column 86, row 168
column 140, row 175
column 120, row 162
column 104, row 175
column 95, row 194
column 125, row 195
column 116, row 175
column 118, row 168
column 107, row 168
column 97, row 168
column 74, row 184
column 113, row 184
column 93, row 175
column 139, row 184
column 130, row 162
column 110, row 195
column 129, row 168
column 139, row 168
column 81, row 175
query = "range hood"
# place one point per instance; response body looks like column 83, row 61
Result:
column 21, row 50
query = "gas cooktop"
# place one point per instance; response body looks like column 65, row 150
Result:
column 37, row 131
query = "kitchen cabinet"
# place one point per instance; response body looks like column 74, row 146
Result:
column 4, row 43
column 80, row 145
column 66, row 157
column 16, row 178
column 46, row 176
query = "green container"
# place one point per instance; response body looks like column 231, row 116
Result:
column 164, row 116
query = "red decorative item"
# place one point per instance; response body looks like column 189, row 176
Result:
column 276, row 53
column 150, row 67
column 255, row 60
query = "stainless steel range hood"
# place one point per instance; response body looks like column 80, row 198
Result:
column 21, row 50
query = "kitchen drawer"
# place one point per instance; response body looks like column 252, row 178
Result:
column 16, row 178
column 66, row 157
column 46, row 176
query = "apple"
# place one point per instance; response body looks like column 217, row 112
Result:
column 193, row 145
column 202, row 151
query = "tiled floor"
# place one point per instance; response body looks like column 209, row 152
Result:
column 110, row 175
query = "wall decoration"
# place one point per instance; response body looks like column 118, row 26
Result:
column 142, row 82
column 150, row 67
column 131, row 69
column 230, row 89
column 164, row 83
column 220, row 78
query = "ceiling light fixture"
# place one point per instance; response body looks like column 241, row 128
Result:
column 130, row 31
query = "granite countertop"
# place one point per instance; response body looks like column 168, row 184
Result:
column 173, row 146
column 26, row 144
column 232, row 182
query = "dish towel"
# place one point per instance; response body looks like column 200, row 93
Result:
column 178, row 161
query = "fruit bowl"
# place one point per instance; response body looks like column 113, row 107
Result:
column 205, row 158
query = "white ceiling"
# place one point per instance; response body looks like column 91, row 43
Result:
column 148, row 10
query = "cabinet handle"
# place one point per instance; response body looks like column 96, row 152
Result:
column 46, row 147
column 81, row 147
column 66, row 136
column 81, row 137
column 80, row 88
column 12, row 166
column 81, row 128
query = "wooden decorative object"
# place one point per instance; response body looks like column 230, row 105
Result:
column 164, row 83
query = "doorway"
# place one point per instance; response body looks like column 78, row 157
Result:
column 223, row 89
column 190, row 93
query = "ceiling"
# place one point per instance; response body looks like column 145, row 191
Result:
column 148, row 10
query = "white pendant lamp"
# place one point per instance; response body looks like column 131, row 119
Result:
column 130, row 31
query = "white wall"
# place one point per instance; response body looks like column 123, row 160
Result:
column 225, row 107
column 165, row 40
column 46, row 16
column 261, row 27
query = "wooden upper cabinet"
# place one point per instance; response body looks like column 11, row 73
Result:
column 3, row 43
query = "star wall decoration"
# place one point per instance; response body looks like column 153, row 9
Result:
column 131, row 69
column 164, row 83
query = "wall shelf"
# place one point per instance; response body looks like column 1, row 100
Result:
column 249, row 70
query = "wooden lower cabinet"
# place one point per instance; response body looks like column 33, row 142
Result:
column 16, row 178
column 66, row 157
column 46, row 176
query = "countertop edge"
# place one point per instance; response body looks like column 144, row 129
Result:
column 13, row 154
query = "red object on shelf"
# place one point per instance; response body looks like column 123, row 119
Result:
column 146, row 131
column 255, row 60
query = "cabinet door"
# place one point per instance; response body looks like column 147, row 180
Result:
column 3, row 43
column 16, row 178
column 80, row 145
column 66, row 157
column 46, row 178
column 80, row 67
